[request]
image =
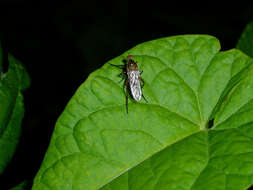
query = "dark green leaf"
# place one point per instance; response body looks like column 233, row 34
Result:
column 245, row 43
column 11, row 109
column 22, row 186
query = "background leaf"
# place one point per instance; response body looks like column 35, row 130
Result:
column 245, row 43
column 24, row 185
column 194, row 133
column 11, row 108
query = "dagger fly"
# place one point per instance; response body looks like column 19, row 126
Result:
column 133, row 81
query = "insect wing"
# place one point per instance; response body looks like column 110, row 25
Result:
column 134, row 83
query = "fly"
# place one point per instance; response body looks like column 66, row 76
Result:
column 133, row 80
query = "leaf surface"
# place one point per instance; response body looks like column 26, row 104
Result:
column 12, row 83
column 194, row 133
column 245, row 43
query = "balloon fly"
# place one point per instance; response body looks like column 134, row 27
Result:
column 133, row 81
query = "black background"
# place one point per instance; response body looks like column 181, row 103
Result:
column 61, row 42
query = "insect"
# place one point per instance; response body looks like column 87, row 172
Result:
column 133, row 81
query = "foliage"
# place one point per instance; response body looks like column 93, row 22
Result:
column 12, row 83
column 245, row 42
column 195, row 132
column 22, row 186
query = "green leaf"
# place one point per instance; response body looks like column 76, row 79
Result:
column 194, row 133
column 245, row 43
column 22, row 186
column 11, row 109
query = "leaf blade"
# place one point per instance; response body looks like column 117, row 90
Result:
column 96, row 145
column 11, row 109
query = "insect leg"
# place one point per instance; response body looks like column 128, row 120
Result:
column 126, row 92
column 142, row 82
column 119, row 66
column 122, row 75
column 141, row 71
column 142, row 85
column 144, row 98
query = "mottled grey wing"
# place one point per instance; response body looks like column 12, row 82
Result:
column 135, row 86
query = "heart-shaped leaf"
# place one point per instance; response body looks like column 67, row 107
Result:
column 195, row 132
column 12, row 84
